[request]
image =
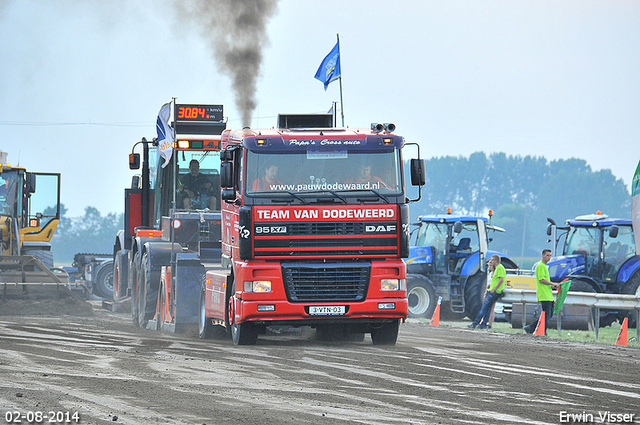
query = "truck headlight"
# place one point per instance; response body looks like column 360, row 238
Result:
column 257, row 286
column 392, row 284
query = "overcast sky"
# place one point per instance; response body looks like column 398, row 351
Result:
column 82, row 81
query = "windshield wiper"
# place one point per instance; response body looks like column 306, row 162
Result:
column 285, row 192
column 331, row 192
column 378, row 194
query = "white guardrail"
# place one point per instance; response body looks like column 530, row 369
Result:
column 581, row 299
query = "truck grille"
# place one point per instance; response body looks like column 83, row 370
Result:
column 326, row 282
column 326, row 239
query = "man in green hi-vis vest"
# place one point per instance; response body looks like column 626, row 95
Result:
column 543, row 291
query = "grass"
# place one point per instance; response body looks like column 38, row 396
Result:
column 606, row 336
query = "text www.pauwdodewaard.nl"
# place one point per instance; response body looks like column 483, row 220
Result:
column 326, row 186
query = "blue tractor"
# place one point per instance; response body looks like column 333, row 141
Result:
column 449, row 260
column 598, row 254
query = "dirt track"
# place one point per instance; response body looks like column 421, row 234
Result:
column 103, row 368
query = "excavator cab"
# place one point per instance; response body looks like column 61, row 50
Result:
column 29, row 216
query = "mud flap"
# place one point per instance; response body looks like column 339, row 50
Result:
column 189, row 277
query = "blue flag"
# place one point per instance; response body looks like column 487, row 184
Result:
column 329, row 69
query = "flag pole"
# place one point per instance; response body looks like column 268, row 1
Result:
column 341, row 101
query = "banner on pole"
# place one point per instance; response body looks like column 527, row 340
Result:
column 165, row 133
column 329, row 69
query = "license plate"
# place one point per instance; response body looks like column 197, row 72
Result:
column 331, row 310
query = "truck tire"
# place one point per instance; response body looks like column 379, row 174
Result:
column 120, row 273
column 386, row 334
column 148, row 284
column 205, row 328
column 473, row 295
column 244, row 333
column 421, row 296
column 241, row 333
column 103, row 286
column 134, row 274
column 631, row 287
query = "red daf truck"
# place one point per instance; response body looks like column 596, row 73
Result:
column 315, row 223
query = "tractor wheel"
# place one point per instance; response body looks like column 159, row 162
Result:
column 421, row 296
column 631, row 287
column 46, row 257
column 148, row 284
column 160, row 307
column 134, row 273
column 473, row 292
column 386, row 334
column 575, row 317
column 103, row 286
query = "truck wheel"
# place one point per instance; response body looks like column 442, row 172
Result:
column 386, row 334
column 148, row 283
column 421, row 296
column 120, row 273
column 631, row 287
column 103, row 286
column 133, row 284
column 244, row 333
column 473, row 292
column 205, row 330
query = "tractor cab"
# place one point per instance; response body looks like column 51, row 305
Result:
column 449, row 244
column 595, row 246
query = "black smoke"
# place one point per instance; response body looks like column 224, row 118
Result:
column 236, row 30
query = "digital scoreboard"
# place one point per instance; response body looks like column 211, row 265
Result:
column 199, row 119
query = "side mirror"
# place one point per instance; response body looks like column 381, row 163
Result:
column 134, row 161
column 31, row 183
column 418, row 172
column 613, row 231
column 226, row 175
column 549, row 229
column 457, row 227
column 226, row 155
column 228, row 195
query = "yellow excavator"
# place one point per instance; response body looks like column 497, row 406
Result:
column 29, row 216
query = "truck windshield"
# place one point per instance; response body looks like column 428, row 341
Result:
column 309, row 172
column 583, row 240
column 617, row 250
column 198, row 180
column 433, row 234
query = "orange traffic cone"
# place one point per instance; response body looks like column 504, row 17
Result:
column 540, row 327
column 622, row 336
column 435, row 320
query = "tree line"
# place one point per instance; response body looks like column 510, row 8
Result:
column 91, row 233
